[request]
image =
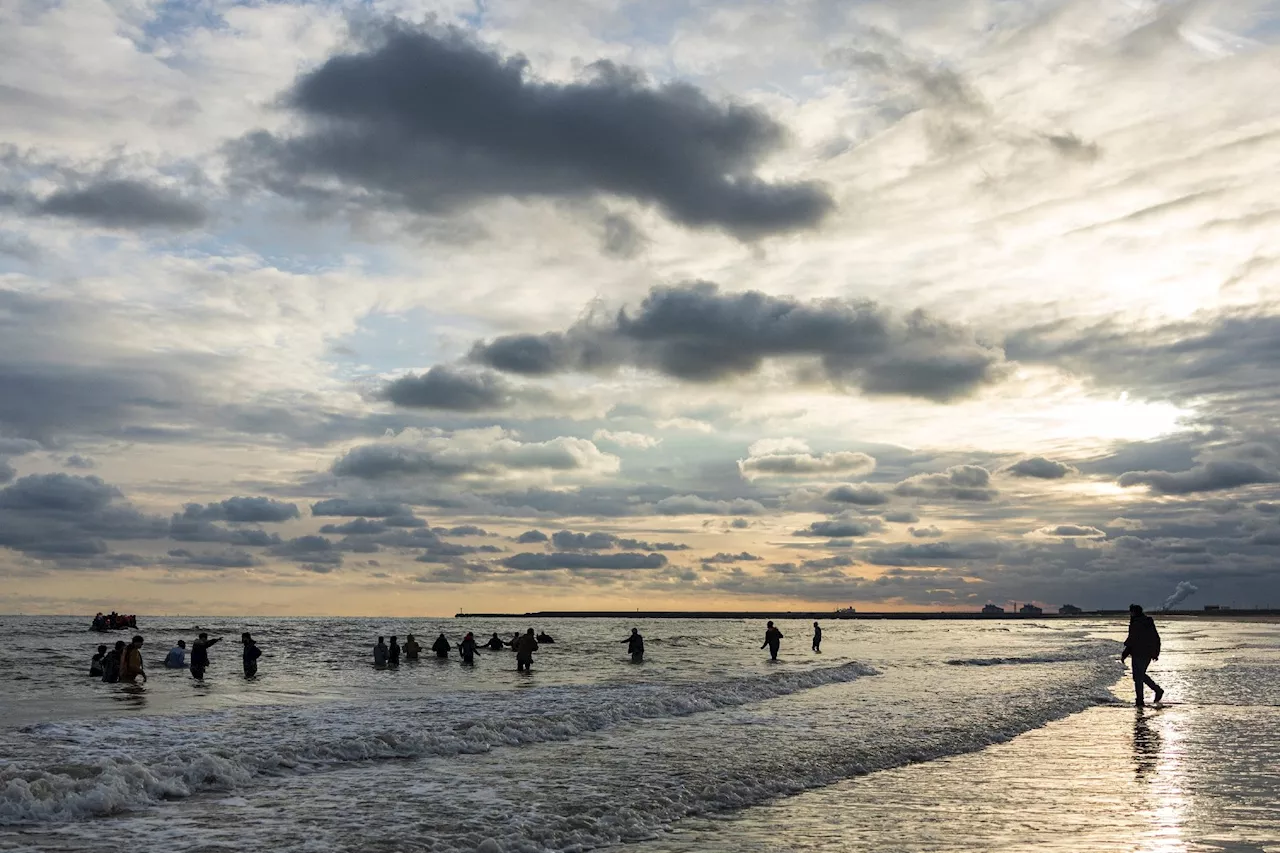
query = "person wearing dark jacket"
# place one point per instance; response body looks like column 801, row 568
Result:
column 772, row 639
column 441, row 647
column 95, row 665
column 200, row 655
column 411, row 648
column 111, row 663
column 495, row 643
column 545, row 638
column 393, row 653
column 1143, row 646
column 251, row 655
column 467, row 648
column 635, row 646
column 817, row 637
column 525, row 645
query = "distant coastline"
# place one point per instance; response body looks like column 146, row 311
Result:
column 840, row 615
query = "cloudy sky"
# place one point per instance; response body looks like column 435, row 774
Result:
column 407, row 307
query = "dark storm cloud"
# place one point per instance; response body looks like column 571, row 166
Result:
column 240, row 509
column 1211, row 476
column 187, row 529
column 1040, row 468
column 7, row 471
column 567, row 540
column 124, row 204
column 931, row 553
column 531, row 536
column 349, row 507
column 861, row 495
column 841, row 528
column 390, row 460
column 723, row 557
column 573, row 560
column 432, row 122
column 448, row 388
column 901, row 517
column 958, row 483
column 60, row 515
column 697, row 333
column 1225, row 356
column 355, row 527
column 312, row 550
column 620, row 237
column 218, row 560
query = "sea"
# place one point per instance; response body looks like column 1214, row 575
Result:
column 929, row 735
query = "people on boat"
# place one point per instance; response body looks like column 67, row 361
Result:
column 495, row 643
column 113, row 622
column 467, row 648
column 441, row 647
column 200, row 655
column 111, row 663
column 95, row 665
column 250, row 654
column 380, row 652
column 131, row 663
column 817, row 637
column 525, row 645
column 635, row 646
column 544, row 637
column 411, row 648
column 772, row 639
column 177, row 657
column 393, row 653
column 1143, row 646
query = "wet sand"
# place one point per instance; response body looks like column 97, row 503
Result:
column 1183, row 777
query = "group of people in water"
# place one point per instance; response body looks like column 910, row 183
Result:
column 387, row 656
column 124, row 662
column 113, row 621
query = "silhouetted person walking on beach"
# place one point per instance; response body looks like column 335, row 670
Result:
column 200, row 655
column 251, row 655
column 525, row 646
column 817, row 637
column 441, row 647
column 1143, row 645
column 635, row 646
column 772, row 639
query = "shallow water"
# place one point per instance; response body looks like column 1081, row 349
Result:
column 590, row 751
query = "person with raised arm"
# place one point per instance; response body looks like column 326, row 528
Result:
column 200, row 655
column 635, row 646
column 772, row 639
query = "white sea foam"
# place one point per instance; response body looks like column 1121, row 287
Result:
column 206, row 756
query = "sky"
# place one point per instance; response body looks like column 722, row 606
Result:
column 410, row 308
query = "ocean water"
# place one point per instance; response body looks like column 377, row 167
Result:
column 707, row 745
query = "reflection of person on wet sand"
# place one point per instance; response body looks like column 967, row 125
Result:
column 1147, row 745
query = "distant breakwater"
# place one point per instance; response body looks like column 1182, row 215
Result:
column 836, row 615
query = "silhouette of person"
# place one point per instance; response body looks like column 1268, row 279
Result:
column 635, row 646
column 441, row 647
column 817, row 637
column 411, row 648
column 200, row 655
column 393, row 653
column 495, row 643
column 251, row 654
column 380, row 653
column 467, row 648
column 772, row 639
column 525, row 646
column 1143, row 646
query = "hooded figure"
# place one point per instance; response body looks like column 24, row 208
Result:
column 525, row 645
column 393, row 653
column 380, row 654
column 1143, row 645
column 441, row 647
column 635, row 646
column 467, row 648
column 411, row 648
column 495, row 643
